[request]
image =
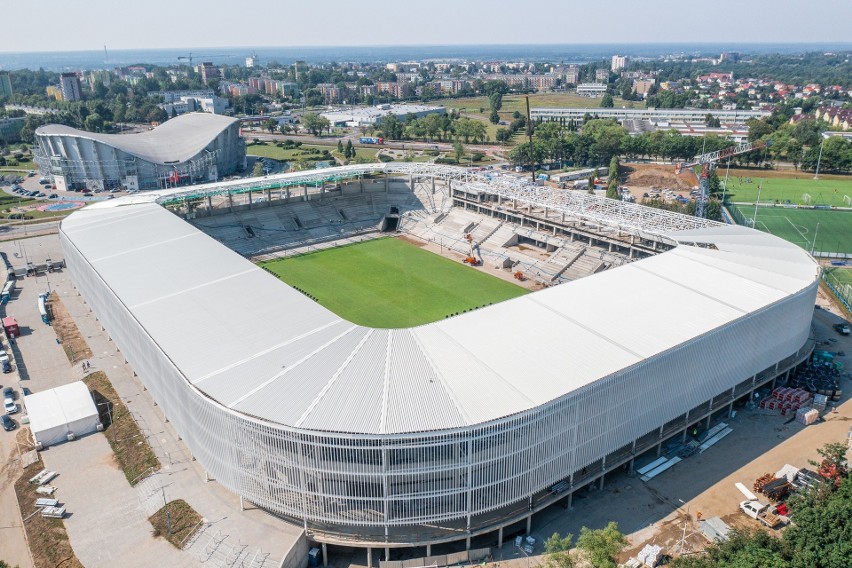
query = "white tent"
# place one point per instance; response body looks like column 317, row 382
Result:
column 61, row 414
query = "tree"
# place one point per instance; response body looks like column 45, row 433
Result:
column 271, row 125
column 612, row 188
column 607, row 101
column 257, row 170
column 458, row 151
column 340, row 146
column 558, row 552
column 494, row 118
column 503, row 135
column 495, row 101
column 315, row 123
column 601, row 546
column 350, row 150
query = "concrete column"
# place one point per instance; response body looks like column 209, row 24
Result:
column 387, row 554
column 707, row 427
column 499, row 537
column 630, row 465
column 730, row 409
column 230, row 202
column 242, row 505
column 324, row 554
column 209, row 206
column 602, row 482
column 429, row 546
column 610, row 247
column 570, row 500
column 387, row 182
column 361, row 183
column 529, row 524
column 467, row 543
column 659, row 449
column 269, row 197
column 369, row 557
column 305, row 192
column 683, row 438
column 249, row 198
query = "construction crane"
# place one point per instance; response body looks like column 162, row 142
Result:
column 190, row 57
column 707, row 163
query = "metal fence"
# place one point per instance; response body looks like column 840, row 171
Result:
column 841, row 289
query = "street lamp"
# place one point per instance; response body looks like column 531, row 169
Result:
column 819, row 157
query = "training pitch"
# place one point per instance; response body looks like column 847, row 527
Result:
column 799, row 226
column 799, row 190
column 390, row 283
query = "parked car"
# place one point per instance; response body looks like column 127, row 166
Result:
column 7, row 366
column 40, row 194
column 8, row 423
column 9, row 392
column 842, row 328
column 9, row 406
column 53, row 196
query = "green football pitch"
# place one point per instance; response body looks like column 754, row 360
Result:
column 812, row 229
column 802, row 190
column 389, row 283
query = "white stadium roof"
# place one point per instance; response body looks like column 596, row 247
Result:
column 261, row 348
column 176, row 140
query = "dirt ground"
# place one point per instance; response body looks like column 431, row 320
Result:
column 643, row 178
column 73, row 343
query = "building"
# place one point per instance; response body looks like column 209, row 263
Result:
column 10, row 129
column 252, row 61
column 62, row 414
column 374, row 116
column 456, row 429
column 619, row 62
column 69, row 85
column 576, row 115
column 602, row 75
column 208, row 71
column 593, row 90
column 5, row 85
column 643, row 86
column 193, row 148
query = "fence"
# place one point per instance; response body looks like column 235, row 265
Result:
column 469, row 556
column 841, row 289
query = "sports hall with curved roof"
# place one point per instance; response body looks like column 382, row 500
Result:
column 191, row 148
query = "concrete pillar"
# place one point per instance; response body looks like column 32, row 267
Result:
column 602, row 482
column 683, row 438
column 305, row 192
column 361, row 183
column 249, row 198
column 610, row 247
column 630, row 465
column 707, row 427
column 269, row 197
column 209, row 206
column 387, row 182
column 467, row 543
column 369, row 554
column 570, row 500
column 730, row 409
column 387, row 554
column 659, row 449
column 429, row 546
column 529, row 524
column 230, row 202
column 499, row 537
column 324, row 554
column 242, row 505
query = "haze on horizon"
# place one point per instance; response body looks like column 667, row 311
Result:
column 91, row 24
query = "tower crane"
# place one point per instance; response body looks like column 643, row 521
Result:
column 189, row 57
column 708, row 163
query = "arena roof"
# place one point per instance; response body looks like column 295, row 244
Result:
column 261, row 348
column 176, row 140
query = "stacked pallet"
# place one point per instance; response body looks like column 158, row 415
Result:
column 807, row 416
column 786, row 400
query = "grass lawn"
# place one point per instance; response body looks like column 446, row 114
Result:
column 285, row 155
column 788, row 186
column 175, row 521
column 132, row 451
column 799, row 226
column 390, row 283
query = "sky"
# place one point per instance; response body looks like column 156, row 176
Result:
column 90, row 24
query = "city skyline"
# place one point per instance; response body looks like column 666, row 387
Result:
column 180, row 25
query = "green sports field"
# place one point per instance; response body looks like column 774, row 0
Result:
column 389, row 283
column 799, row 226
column 799, row 190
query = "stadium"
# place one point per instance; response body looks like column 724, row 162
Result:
column 192, row 148
column 648, row 322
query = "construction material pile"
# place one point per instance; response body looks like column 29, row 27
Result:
column 773, row 487
column 822, row 376
column 807, row 416
column 786, row 400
